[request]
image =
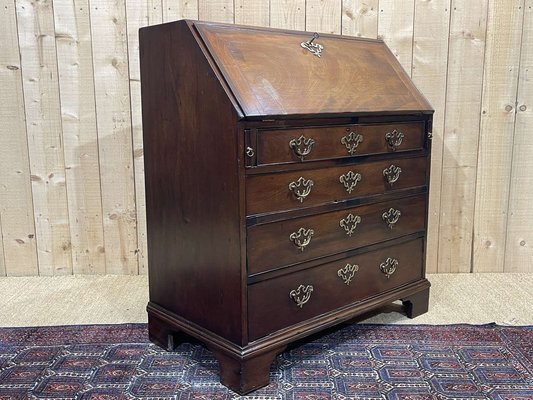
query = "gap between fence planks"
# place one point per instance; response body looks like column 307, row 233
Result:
column 71, row 122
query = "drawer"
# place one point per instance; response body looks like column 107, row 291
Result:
column 300, row 239
column 309, row 144
column 284, row 301
column 292, row 190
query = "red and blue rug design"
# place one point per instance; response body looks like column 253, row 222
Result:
column 355, row 362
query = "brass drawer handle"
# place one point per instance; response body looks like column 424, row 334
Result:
column 301, row 295
column 301, row 188
column 394, row 139
column 388, row 266
column 302, row 238
column 350, row 180
column 391, row 217
column 351, row 141
column 392, row 173
column 350, row 223
column 347, row 273
column 301, row 146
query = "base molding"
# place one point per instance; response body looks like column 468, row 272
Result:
column 246, row 368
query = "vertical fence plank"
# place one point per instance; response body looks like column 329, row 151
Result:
column 430, row 60
column 2, row 259
column 111, row 79
column 252, row 12
column 174, row 10
column 216, row 10
column 461, row 133
column 78, row 114
column 519, row 247
column 500, row 81
column 396, row 18
column 287, row 14
column 323, row 16
column 139, row 13
column 16, row 205
column 45, row 142
column 360, row 18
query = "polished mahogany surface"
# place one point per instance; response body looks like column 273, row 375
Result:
column 271, row 74
column 285, row 192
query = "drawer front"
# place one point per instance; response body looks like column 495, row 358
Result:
column 300, row 189
column 287, row 242
column 308, row 144
column 284, row 301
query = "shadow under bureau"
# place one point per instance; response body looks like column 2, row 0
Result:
column 286, row 187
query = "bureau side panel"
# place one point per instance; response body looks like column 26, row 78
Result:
column 192, row 172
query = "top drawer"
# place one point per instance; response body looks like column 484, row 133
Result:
column 319, row 143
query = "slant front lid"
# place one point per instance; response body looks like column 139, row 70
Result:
column 271, row 74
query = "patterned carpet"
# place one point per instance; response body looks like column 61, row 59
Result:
column 355, row 362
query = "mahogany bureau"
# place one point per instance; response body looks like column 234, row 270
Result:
column 286, row 187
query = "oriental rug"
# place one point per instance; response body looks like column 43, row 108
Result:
column 354, row 362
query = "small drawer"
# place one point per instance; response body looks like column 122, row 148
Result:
column 284, row 301
column 292, row 190
column 310, row 144
column 297, row 240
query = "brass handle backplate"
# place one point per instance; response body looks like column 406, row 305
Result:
column 351, row 141
column 350, row 223
column 350, row 180
column 388, row 266
column 391, row 216
column 392, row 173
column 314, row 48
column 301, row 188
column 394, row 139
column 301, row 295
column 347, row 273
column 302, row 238
column 302, row 146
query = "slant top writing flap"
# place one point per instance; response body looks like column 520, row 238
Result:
column 270, row 73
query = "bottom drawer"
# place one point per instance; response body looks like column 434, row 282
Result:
column 280, row 302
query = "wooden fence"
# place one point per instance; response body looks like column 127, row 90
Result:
column 71, row 153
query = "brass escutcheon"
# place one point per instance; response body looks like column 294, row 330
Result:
column 301, row 295
column 351, row 141
column 350, row 180
column 394, row 139
column 347, row 273
column 301, row 188
column 391, row 216
column 350, row 223
column 302, row 238
column 301, row 146
column 388, row 266
column 392, row 173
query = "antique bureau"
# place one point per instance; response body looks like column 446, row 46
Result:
column 286, row 187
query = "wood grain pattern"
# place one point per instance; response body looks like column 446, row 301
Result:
column 174, row 10
column 16, row 203
column 78, row 114
column 44, row 129
column 430, row 60
column 68, row 89
column 461, row 134
column 519, row 247
column 112, row 93
column 323, row 16
column 252, row 12
column 396, row 19
column 360, row 18
column 287, row 14
column 495, row 150
column 139, row 13
column 216, row 11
